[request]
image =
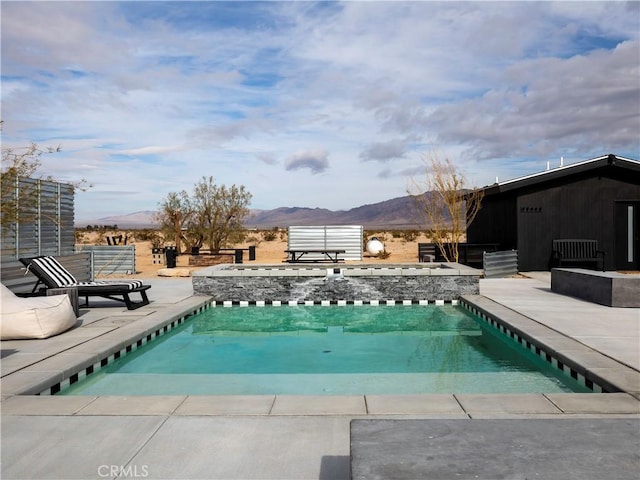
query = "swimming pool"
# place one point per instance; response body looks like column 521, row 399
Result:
column 328, row 350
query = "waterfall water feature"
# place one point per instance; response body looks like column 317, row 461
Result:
column 303, row 290
column 334, row 286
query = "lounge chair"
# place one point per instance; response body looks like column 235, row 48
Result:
column 52, row 274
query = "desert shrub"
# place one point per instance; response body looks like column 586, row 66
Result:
column 145, row 235
column 101, row 228
column 410, row 235
column 156, row 239
column 368, row 234
column 382, row 236
column 236, row 236
column 269, row 235
column 383, row 254
column 80, row 236
column 101, row 238
column 253, row 240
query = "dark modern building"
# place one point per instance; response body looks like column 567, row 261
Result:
column 596, row 199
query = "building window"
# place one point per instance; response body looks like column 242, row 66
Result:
column 630, row 233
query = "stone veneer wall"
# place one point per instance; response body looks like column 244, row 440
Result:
column 357, row 284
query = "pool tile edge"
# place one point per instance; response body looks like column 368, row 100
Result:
column 617, row 378
column 47, row 377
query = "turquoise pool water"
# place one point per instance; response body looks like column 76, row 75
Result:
column 332, row 350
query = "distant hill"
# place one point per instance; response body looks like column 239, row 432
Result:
column 394, row 213
column 143, row 219
column 397, row 213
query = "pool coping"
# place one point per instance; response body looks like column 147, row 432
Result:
column 20, row 389
column 348, row 270
column 575, row 359
column 84, row 354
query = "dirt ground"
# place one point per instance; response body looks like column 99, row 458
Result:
column 399, row 249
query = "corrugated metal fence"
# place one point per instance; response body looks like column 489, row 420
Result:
column 45, row 219
column 90, row 262
column 42, row 223
column 338, row 237
column 111, row 259
column 15, row 276
column 500, row 264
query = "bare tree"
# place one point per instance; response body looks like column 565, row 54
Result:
column 219, row 213
column 20, row 199
column 213, row 215
column 176, row 210
column 445, row 204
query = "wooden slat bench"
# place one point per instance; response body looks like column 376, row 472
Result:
column 580, row 251
column 426, row 252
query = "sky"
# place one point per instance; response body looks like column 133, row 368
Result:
column 313, row 104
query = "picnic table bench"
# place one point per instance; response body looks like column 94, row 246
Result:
column 579, row 251
column 238, row 253
column 328, row 255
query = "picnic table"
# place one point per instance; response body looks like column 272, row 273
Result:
column 328, row 255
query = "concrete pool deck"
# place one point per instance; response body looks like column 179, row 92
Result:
column 280, row 437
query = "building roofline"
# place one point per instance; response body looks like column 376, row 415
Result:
column 559, row 172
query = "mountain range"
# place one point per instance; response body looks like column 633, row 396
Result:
column 397, row 213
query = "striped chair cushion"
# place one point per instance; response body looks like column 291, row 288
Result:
column 52, row 273
column 110, row 285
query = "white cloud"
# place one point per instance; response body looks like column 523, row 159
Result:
column 151, row 150
column 384, row 151
column 146, row 97
column 552, row 105
column 315, row 160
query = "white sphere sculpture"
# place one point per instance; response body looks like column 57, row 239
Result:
column 375, row 246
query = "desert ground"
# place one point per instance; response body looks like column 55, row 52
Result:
column 401, row 247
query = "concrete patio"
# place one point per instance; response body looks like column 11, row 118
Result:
column 280, row 437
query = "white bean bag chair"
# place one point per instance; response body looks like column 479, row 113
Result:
column 34, row 317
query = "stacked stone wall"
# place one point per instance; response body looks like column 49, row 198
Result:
column 365, row 288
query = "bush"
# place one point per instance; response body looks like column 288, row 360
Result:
column 406, row 235
column 236, row 236
column 270, row 235
column 410, row 235
column 145, row 235
column 253, row 240
column 80, row 237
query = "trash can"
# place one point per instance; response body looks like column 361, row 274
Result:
column 171, row 254
column 239, row 255
column 252, row 252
